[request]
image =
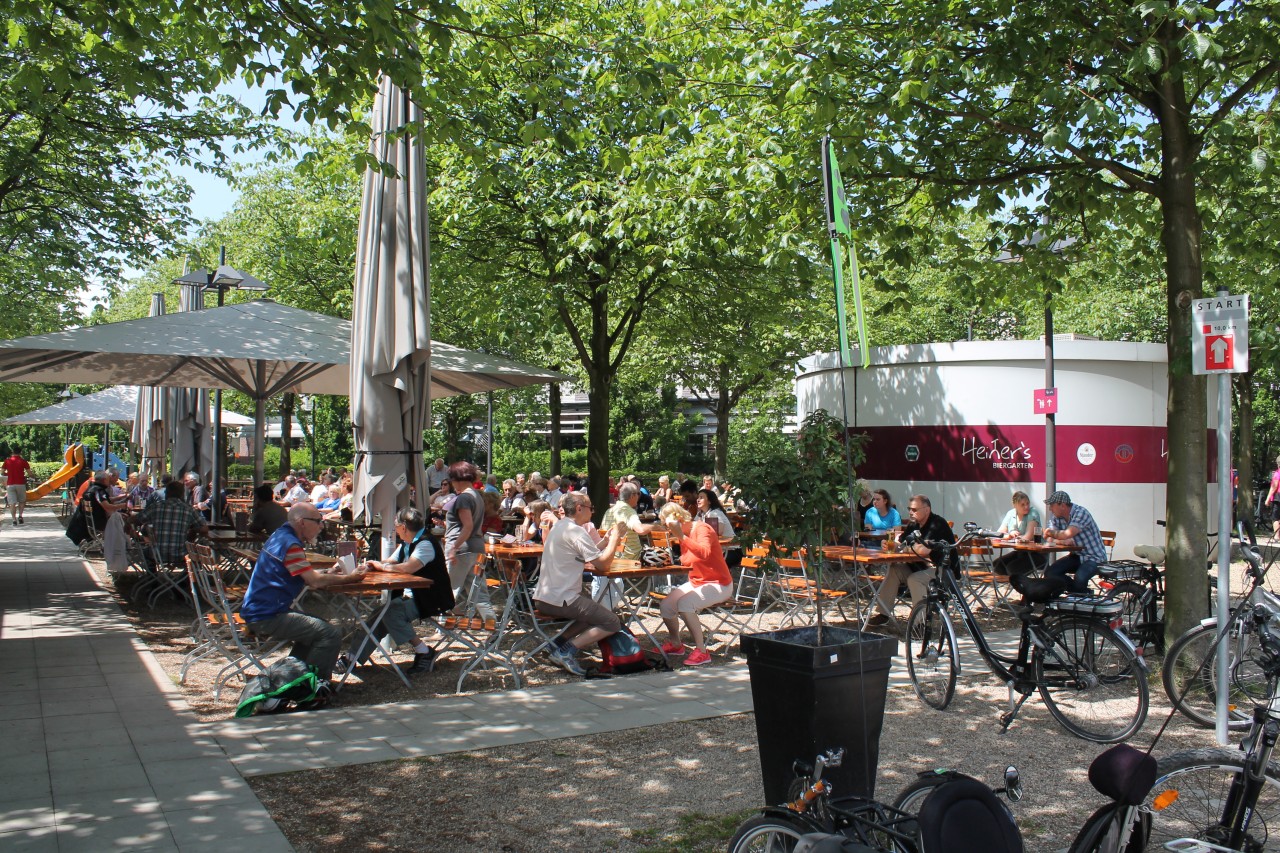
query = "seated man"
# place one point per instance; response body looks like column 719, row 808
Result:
column 170, row 523
column 281, row 574
column 925, row 525
column 566, row 551
column 267, row 515
column 296, row 491
column 419, row 553
column 1074, row 525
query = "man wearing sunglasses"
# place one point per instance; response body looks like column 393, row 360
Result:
column 280, row 575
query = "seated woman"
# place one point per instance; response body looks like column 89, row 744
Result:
column 1022, row 523
column 883, row 515
column 710, row 511
column 663, row 492
column 709, row 582
column 492, row 513
column 332, row 500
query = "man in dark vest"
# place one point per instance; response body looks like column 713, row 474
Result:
column 419, row 554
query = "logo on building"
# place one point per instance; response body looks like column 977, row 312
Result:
column 1086, row 454
column 912, row 453
column 997, row 452
column 1124, row 454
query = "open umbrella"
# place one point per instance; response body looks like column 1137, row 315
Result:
column 150, row 432
column 391, row 319
column 192, row 434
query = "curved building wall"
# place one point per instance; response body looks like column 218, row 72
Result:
column 957, row 422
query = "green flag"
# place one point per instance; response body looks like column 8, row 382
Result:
column 840, row 221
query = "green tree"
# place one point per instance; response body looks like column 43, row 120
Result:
column 1104, row 113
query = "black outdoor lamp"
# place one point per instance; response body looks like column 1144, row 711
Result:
column 222, row 279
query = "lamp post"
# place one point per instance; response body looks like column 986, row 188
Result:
column 222, row 279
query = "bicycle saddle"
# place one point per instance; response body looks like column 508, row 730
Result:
column 1124, row 774
column 964, row 816
column 1038, row 590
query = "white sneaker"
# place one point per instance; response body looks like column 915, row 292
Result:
column 568, row 660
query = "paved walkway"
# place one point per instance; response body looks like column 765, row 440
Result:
column 101, row 751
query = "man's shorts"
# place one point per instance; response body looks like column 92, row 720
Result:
column 17, row 495
column 583, row 609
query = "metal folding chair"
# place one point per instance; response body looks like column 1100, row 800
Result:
column 218, row 628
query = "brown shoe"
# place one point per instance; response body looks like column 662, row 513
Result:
column 877, row 620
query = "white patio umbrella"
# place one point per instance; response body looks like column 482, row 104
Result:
column 150, row 431
column 391, row 319
column 191, row 430
column 117, row 405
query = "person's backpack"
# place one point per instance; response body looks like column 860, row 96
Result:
column 285, row 682
column 620, row 654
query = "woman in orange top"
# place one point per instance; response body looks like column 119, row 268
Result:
column 709, row 582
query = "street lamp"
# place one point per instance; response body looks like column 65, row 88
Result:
column 222, row 279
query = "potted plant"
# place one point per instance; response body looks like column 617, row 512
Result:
column 813, row 687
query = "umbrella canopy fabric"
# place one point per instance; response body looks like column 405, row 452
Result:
column 150, row 430
column 390, row 375
column 188, row 420
column 260, row 348
column 116, row 405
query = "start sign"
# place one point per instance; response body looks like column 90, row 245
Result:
column 1220, row 335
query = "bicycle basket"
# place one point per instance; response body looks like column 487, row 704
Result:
column 1087, row 604
column 1122, row 570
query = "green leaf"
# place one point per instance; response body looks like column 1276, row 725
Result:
column 1057, row 137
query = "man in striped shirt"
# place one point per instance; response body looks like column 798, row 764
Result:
column 280, row 575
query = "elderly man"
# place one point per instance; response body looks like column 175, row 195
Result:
column 437, row 475
column 624, row 514
column 295, row 492
column 925, row 526
column 321, row 490
column 282, row 572
column 554, row 495
column 170, row 522
column 512, row 501
column 1074, row 525
column 568, row 551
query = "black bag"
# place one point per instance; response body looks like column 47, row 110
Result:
column 285, row 682
column 77, row 528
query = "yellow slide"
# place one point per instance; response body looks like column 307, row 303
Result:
column 74, row 462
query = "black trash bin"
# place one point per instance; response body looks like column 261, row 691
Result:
column 810, row 698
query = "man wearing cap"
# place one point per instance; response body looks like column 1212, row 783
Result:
column 1074, row 525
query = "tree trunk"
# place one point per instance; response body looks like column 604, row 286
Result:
column 1187, row 505
column 287, row 404
column 554, row 439
column 1244, row 446
column 723, row 407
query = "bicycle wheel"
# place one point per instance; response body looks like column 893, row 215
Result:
column 932, row 660
column 767, row 833
column 1191, row 790
column 1091, row 680
column 1137, row 623
column 1101, row 832
column 1189, row 676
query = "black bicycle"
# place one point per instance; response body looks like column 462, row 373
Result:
column 1088, row 673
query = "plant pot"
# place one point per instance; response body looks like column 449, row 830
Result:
column 810, row 698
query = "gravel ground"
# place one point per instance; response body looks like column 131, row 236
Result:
column 673, row 787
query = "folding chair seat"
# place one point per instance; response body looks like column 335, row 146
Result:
column 1108, row 541
column 798, row 591
column 218, row 628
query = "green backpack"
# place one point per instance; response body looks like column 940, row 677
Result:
column 285, row 682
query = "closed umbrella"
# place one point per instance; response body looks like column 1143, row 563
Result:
column 391, row 319
column 150, row 431
column 192, row 433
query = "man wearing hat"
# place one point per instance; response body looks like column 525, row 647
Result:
column 1074, row 525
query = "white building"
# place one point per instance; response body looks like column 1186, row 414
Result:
column 957, row 422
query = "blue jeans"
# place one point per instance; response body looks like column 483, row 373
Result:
column 1076, row 569
column 315, row 641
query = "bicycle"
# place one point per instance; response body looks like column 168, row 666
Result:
column 1223, row 799
column 1089, row 675
column 879, row 827
column 1189, row 670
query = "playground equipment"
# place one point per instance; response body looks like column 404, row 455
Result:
column 74, row 461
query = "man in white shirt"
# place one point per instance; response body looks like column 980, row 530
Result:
column 296, row 493
column 566, row 553
column 437, row 476
column 321, row 490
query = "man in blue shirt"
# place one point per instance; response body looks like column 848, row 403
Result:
column 1074, row 525
column 282, row 572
